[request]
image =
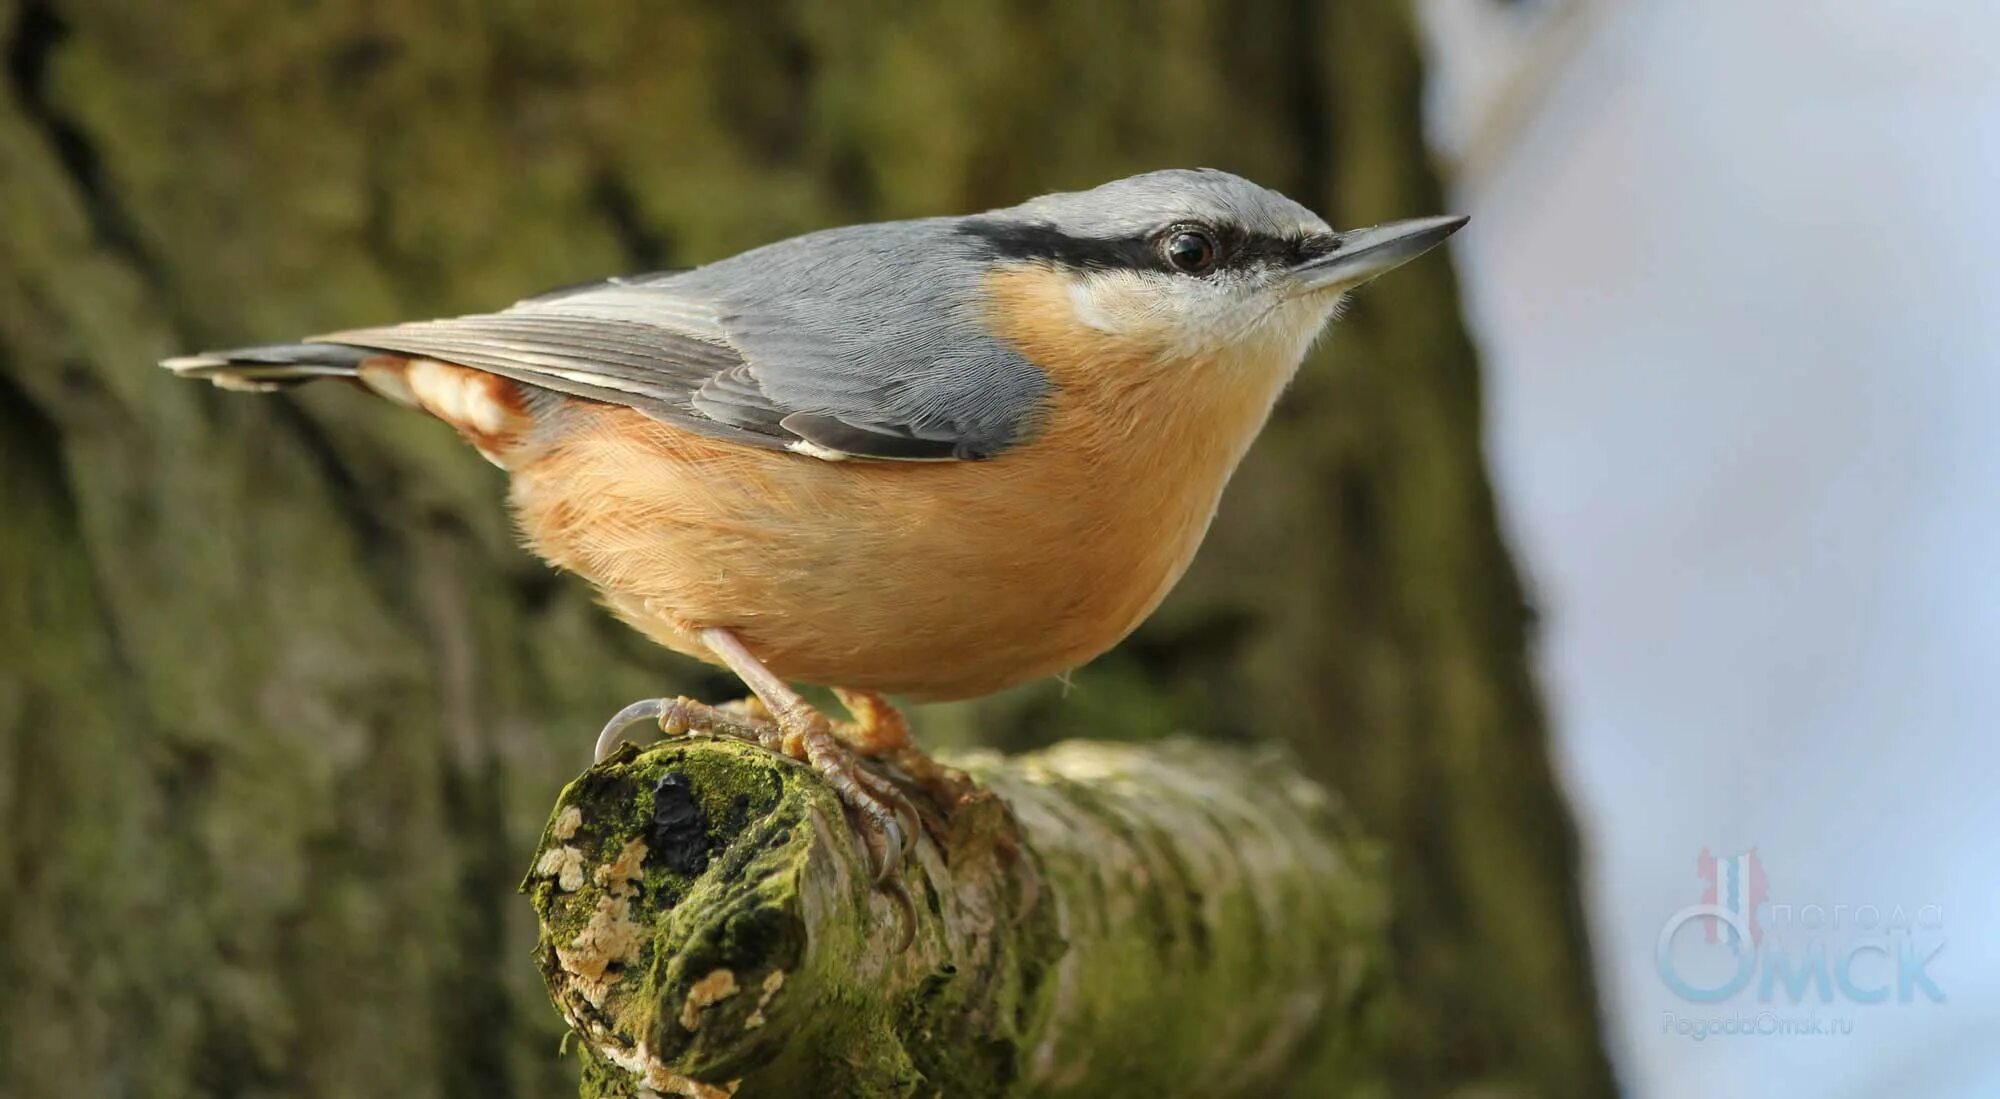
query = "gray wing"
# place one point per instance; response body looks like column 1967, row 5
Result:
column 862, row 342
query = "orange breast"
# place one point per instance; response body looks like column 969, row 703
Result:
column 935, row 580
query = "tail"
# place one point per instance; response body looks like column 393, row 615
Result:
column 273, row 366
column 492, row 412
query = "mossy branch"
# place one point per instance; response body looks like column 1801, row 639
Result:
column 1104, row 920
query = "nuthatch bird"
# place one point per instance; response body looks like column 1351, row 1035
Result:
column 930, row 458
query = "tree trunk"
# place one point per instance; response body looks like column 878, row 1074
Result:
column 282, row 707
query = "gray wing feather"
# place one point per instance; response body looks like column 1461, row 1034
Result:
column 876, row 331
column 863, row 341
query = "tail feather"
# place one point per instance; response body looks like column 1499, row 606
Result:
column 272, row 366
column 494, row 413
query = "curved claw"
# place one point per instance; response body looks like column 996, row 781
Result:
column 906, row 912
column 890, row 869
column 906, row 812
column 889, row 882
column 646, row 709
column 882, row 835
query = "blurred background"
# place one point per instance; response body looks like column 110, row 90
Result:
column 1734, row 284
column 1692, row 556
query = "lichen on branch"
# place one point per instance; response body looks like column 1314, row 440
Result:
column 1100, row 920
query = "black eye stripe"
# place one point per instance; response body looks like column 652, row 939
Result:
column 1022, row 241
column 1235, row 248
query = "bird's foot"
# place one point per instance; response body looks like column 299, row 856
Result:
column 880, row 731
column 891, row 819
column 888, row 822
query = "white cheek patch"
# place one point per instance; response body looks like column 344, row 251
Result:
column 1192, row 318
column 1140, row 305
column 1293, row 326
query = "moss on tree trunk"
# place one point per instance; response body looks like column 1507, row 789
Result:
column 1105, row 920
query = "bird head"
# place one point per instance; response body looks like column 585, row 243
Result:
column 1196, row 265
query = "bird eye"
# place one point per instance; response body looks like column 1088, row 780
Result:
column 1191, row 251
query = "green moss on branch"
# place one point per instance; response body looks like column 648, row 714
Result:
column 1175, row 919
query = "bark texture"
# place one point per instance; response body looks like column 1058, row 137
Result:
column 1110, row 920
column 281, row 704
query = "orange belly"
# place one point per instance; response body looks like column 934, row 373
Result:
column 935, row 580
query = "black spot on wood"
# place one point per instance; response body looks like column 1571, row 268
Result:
column 680, row 827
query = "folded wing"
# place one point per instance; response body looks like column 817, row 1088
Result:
column 862, row 343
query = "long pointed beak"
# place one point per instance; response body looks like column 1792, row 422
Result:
column 1362, row 254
